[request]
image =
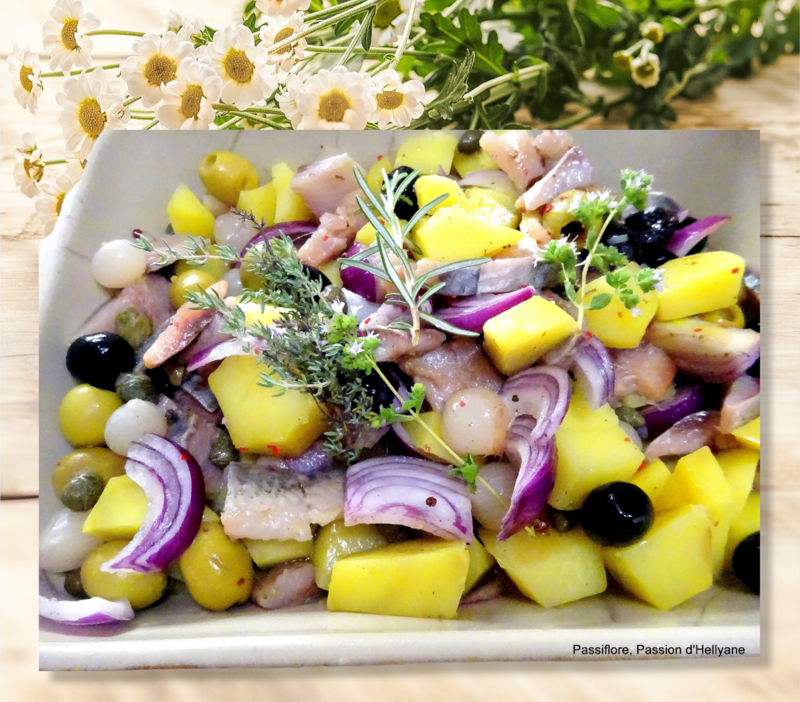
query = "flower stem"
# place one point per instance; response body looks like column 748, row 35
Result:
column 224, row 107
column 253, row 118
column 401, row 45
column 320, row 14
column 597, row 109
column 130, row 101
column 151, row 125
column 518, row 76
column 61, row 74
column 54, row 163
column 114, row 32
column 230, row 123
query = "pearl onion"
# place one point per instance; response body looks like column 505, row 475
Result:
column 232, row 230
column 234, row 280
column 487, row 507
column 131, row 422
column 475, row 421
column 62, row 544
column 118, row 263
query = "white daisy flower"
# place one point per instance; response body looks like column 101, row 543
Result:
column 189, row 98
column 396, row 103
column 336, row 99
column 154, row 65
column 190, row 27
column 287, row 99
column 65, row 35
column 91, row 103
column 279, row 28
column 246, row 75
column 174, row 21
column 48, row 204
column 75, row 167
column 282, row 7
column 29, row 169
column 23, row 64
column 646, row 70
column 390, row 21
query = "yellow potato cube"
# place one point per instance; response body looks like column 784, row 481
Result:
column 375, row 175
column 269, row 552
column 701, row 283
column 289, row 206
column 673, row 561
column 259, row 202
column 188, row 215
column 428, row 152
column 334, row 541
column 748, row 522
column 259, row 419
column 480, row 562
column 739, row 468
column 593, row 449
column 423, row 441
column 490, row 206
column 332, row 270
column 517, row 338
column 699, row 480
column 366, row 235
column 453, row 235
column 423, row 578
column 550, row 568
column 479, row 161
column 253, row 314
column 615, row 325
column 652, row 479
column 430, row 187
column 750, row 434
column 119, row 512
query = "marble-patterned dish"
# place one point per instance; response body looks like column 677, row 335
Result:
column 127, row 184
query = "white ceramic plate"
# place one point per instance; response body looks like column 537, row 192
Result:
column 127, row 185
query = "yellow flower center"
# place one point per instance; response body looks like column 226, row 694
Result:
column 160, row 69
column 59, row 202
column 284, row 33
column 333, row 105
column 33, row 169
column 68, row 32
column 190, row 101
column 91, row 118
column 25, row 74
column 387, row 13
column 238, row 67
column 389, row 99
column 646, row 70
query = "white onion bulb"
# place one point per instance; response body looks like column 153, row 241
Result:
column 234, row 280
column 118, row 263
column 231, row 229
column 489, row 506
column 475, row 421
column 62, row 544
column 131, row 422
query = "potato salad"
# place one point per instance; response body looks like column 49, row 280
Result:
column 461, row 371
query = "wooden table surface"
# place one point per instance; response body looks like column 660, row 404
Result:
column 768, row 102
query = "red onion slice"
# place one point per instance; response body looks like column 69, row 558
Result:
column 411, row 492
column 297, row 231
column 173, row 483
column 536, row 478
column 711, row 352
column 685, row 238
column 593, row 370
column 232, row 347
column 742, row 404
column 471, row 313
column 491, row 178
column 689, row 434
column 687, row 400
column 357, row 280
column 542, row 392
column 89, row 612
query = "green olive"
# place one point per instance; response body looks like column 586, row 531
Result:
column 83, row 414
column 470, row 142
column 190, row 280
column 217, row 571
column 100, row 461
column 333, row 293
column 82, row 491
column 226, row 174
column 556, row 215
column 140, row 589
column 223, row 451
column 133, row 326
column 73, row 584
column 248, row 276
column 215, row 267
column 136, row 386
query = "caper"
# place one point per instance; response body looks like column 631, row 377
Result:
column 223, row 451
column 82, row 491
column 73, row 584
column 100, row 461
column 470, row 142
column 630, row 415
column 136, row 386
column 563, row 520
column 333, row 293
column 133, row 326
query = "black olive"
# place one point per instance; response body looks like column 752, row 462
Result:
column 617, row 514
column 98, row 359
column 659, row 258
column 563, row 520
column 73, row 584
column 316, row 274
column 747, row 561
column 406, row 205
column 161, row 381
column 382, row 396
column 470, row 142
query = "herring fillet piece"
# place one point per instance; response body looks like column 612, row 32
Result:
column 274, row 503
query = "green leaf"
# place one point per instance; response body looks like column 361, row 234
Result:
column 456, row 40
column 366, row 29
column 600, row 301
column 468, row 470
